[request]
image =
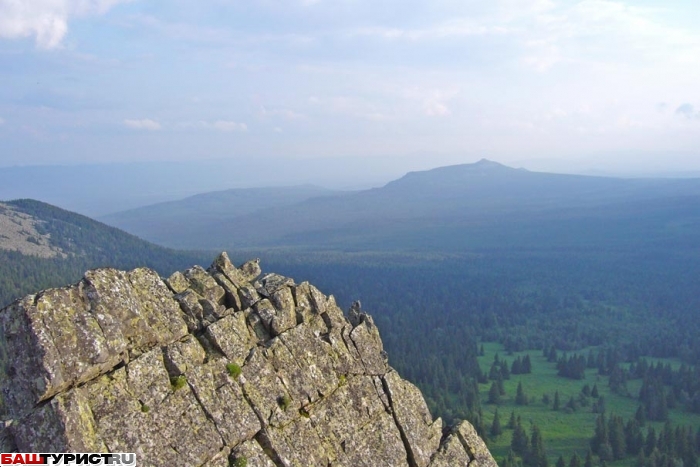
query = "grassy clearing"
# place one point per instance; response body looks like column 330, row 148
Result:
column 563, row 433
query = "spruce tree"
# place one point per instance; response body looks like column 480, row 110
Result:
column 536, row 456
column 640, row 416
column 511, row 420
column 600, row 437
column 634, row 440
column 575, row 461
column 496, row 429
column 561, row 462
column 557, row 402
column 650, row 442
column 505, row 372
column 511, row 459
column 589, row 459
column 494, row 394
column 520, row 397
column 616, row 436
column 517, row 367
column 519, row 440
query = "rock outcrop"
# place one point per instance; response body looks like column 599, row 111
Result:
column 213, row 367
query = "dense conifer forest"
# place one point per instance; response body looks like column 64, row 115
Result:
column 623, row 328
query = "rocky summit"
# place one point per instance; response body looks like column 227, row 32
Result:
column 217, row 367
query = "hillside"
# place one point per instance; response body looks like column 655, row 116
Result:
column 461, row 208
column 254, row 371
column 167, row 223
column 44, row 246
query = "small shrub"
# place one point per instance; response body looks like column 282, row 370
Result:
column 342, row 381
column 284, row 401
column 145, row 408
column 240, row 462
column 234, row 370
column 178, row 382
column 304, row 413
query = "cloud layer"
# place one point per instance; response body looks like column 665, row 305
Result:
column 46, row 20
column 143, row 124
column 457, row 79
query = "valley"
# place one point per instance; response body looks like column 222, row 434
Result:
column 447, row 262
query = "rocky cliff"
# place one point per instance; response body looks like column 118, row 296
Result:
column 213, row 367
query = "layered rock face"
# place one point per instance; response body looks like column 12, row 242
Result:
column 213, row 367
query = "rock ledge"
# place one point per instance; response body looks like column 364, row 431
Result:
column 212, row 368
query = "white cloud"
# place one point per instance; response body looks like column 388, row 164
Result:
column 434, row 108
column 46, row 20
column 143, row 124
column 284, row 113
column 229, row 126
column 353, row 106
column 688, row 111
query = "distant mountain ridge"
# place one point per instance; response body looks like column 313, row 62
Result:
column 480, row 205
column 166, row 222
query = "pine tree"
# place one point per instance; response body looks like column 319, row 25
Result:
column 634, row 440
column 496, row 429
column 616, row 436
column 600, row 436
column 560, row 462
column 520, row 397
column 494, row 394
column 640, row 416
column 589, row 459
column 590, row 362
column 517, row 367
column 519, row 440
column 536, row 456
column 505, row 372
column 557, row 402
column 511, row 420
column 650, row 442
column 575, row 461
column 594, row 391
column 510, row 460
column 527, row 365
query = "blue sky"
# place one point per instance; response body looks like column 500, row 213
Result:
column 560, row 85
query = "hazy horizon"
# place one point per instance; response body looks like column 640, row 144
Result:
column 101, row 189
column 583, row 86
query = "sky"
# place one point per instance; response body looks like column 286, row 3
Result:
column 575, row 85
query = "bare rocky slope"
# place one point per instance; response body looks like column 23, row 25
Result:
column 213, row 367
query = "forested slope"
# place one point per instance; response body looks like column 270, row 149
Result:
column 80, row 243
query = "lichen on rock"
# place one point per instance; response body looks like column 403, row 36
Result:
column 216, row 367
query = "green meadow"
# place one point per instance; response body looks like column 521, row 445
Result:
column 564, row 432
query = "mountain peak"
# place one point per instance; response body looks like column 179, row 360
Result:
column 487, row 164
